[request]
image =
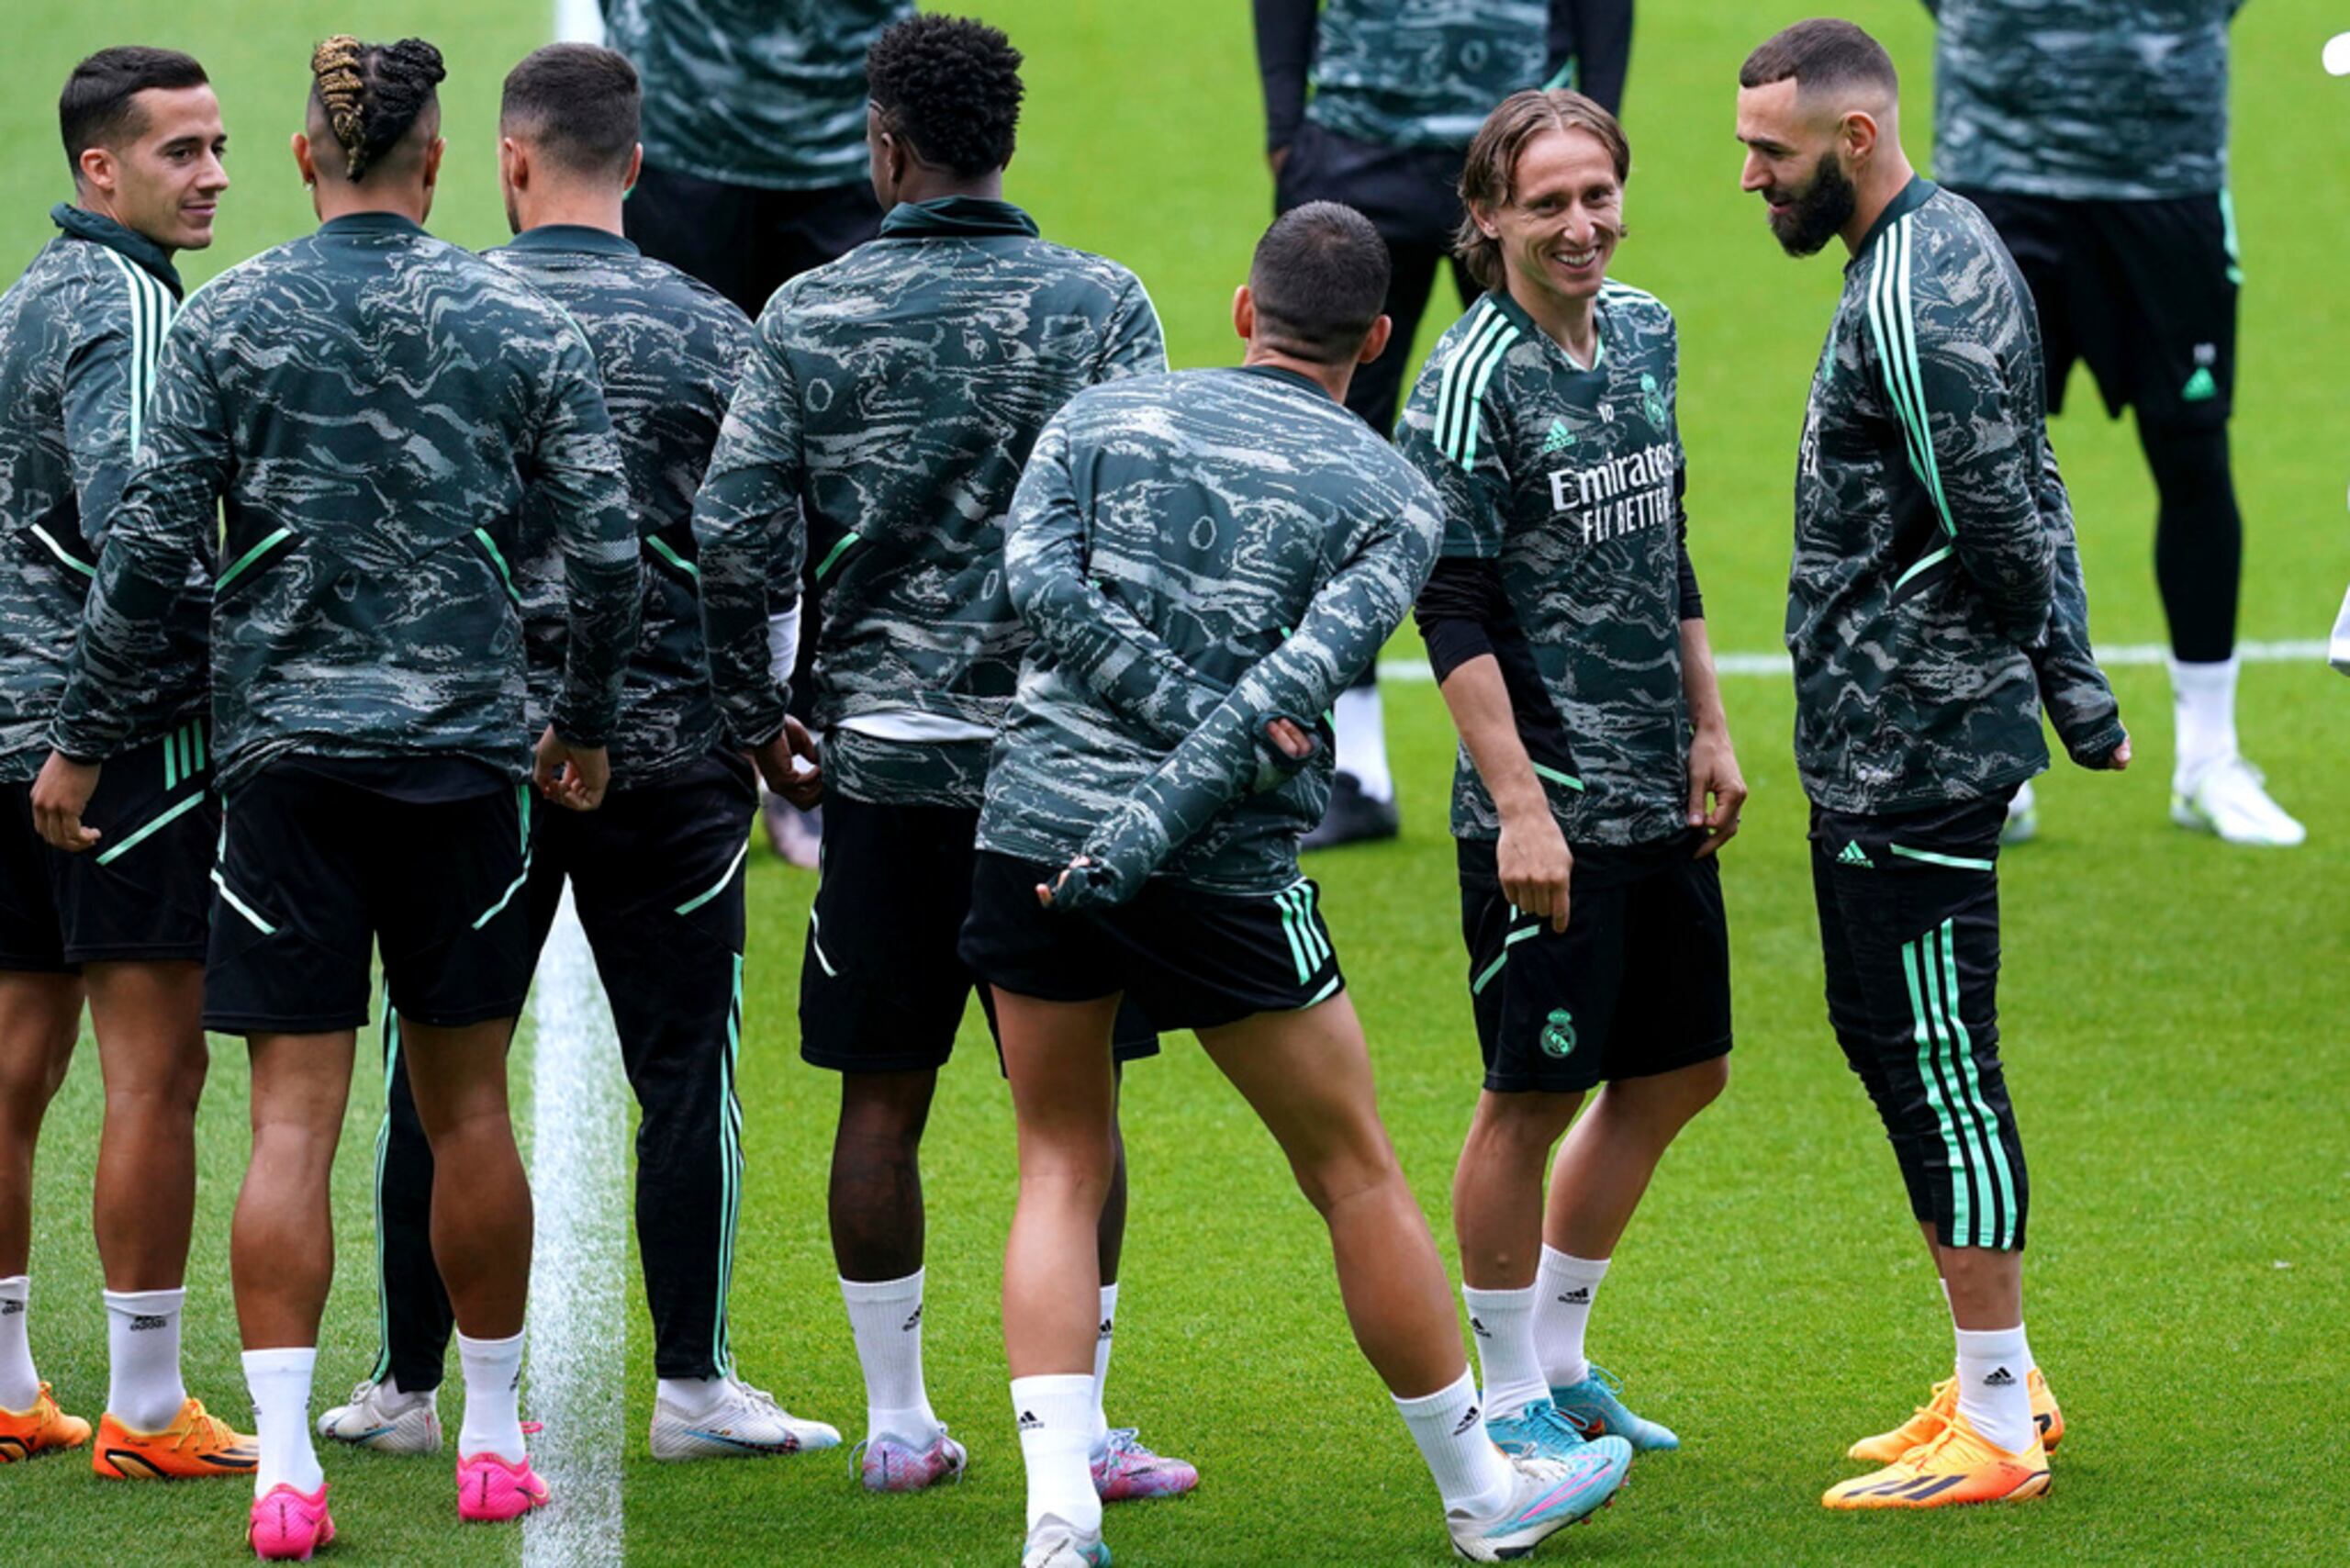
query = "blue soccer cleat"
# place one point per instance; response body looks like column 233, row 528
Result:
column 1549, row 1496
column 1593, row 1407
column 1537, row 1431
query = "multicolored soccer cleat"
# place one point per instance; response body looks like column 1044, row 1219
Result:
column 1125, row 1472
column 378, row 1418
column 745, row 1423
column 1928, row 1419
column 41, row 1429
column 491, row 1489
column 1957, row 1465
column 1056, row 1543
column 1550, row 1495
column 1538, row 1431
column 888, row 1464
column 1596, row 1409
column 288, row 1527
column 197, row 1443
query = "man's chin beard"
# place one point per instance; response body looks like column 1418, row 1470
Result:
column 1819, row 212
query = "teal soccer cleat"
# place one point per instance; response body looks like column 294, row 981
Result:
column 1594, row 1410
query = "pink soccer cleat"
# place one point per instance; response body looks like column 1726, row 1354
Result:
column 286, row 1527
column 1126, row 1472
column 490, row 1490
column 886, row 1465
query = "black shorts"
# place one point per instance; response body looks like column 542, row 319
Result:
column 1909, row 932
column 1637, row 985
column 321, row 860
column 883, row 985
column 2145, row 291
column 1191, row 960
column 143, row 894
column 744, row 241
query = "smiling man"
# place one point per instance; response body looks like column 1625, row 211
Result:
column 125, row 928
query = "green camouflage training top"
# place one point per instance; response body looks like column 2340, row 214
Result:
column 1571, row 479
column 362, row 412
column 2087, row 100
column 80, row 334
column 1423, row 72
column 761, row 93
column 1935, row 602
column 1196, row 553
column 887, row 404
column 669, row 348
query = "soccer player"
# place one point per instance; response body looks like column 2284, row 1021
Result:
column 1140, row 839
column 80, row 334
column 1935, row 611
column 656, row 871
column 2094, row 135
column 888, row 403
column 1596, row 779
column 365, row 412
column 1398, row 87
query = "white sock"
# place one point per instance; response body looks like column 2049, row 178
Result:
column 1362, row 725
column 693, row 1397
column 2030, row 1361
column 1056, row 1415
column 1562, row 1310
column 19, row 1384
column 1470, row 1473
column 1991, row 1366
column 1099, row 1443
column 1502, row 1323
column 391, row 1398
column 2203, row 710
column 280, row 1384
column 143, row 1356
column 493, row 1370
column 885, row 1315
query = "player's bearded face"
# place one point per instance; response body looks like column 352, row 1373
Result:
column 1806, row 216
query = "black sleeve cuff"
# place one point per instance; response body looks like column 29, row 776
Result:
column 1456, row 613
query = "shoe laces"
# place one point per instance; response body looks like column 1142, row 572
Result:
column 1607, row 1380
column 207, row 1428
column 1125, row 1443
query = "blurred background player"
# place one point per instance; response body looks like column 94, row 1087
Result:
column 755, row 171
column 2094, row 136
column 887, row 405
column 1935, row 611
column 80, row 335
column 657, row 871
column 1596, row 777
column 368, row 683
column 1372, row 103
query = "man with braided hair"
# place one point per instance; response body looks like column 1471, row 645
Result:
column 378, row 411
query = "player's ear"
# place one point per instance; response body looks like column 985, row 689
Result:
column 513, row 164
column 432, row 162
column 1858, row 134
column 1244, row 313
column 1374, row 342
column 302, row 159
column 636, row 167
column 1487, row 224
column 96, row 169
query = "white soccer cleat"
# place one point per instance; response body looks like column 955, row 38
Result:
column 1055, row 1543
column 389, row 1422
column 745, row 1423
column 2232, row 799
column 1548, row 1495
column 2023, row 816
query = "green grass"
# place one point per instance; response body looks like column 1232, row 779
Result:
column 2172, row 1007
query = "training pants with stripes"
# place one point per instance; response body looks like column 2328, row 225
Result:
column 1909, row 931
column 657, row 874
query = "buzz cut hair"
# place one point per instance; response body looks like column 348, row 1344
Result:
column 1319, row 280
column 100, row 105
column 580, row 104
column 1824, row 54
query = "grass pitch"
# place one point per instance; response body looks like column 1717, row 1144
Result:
column 2172, row 1007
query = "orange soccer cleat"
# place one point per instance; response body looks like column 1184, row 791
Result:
column 1956, row 1465
column 197, row 1443
column 39, row 1429
column 1928, row 1419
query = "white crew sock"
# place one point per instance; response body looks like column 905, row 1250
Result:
column 143, row 1356
column 280, row 1384
column 1470, row 1473
column 1056, row 1415
column 19, row 1384
column 1991, row 1366
column 2203, row 712
column 693, row 1397
column 1567, row 1285
column 493, row 1370
column 885, row 1316
column 1362, row 726
column 1502, row 1322
column 1099, row 1444
column 2030, row 1361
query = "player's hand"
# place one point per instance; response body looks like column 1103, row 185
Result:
column 1295, row 743
column 1534, row 866
column 788, row 765
column 1275, row 159
column 60, row 796
column 1713, row 771
column 2117, row 759
column 1045, row 891
column 573, row 777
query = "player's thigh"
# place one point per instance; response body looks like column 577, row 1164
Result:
column 1308, row 1076
column 445, row 884
column 292, row 936
column 883, row 984
column 1674, row 1016
column 1545, row 1000
column 2173, row 286
column 145, row 892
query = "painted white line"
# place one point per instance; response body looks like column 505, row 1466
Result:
column 577, row 1350
column 1407, row 671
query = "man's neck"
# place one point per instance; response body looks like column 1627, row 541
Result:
column 339, row 200
column 1332, row 378
column 1571, row 322
column 576, row 209
column 1879, row 186
column 96, row 205
column 936, row 184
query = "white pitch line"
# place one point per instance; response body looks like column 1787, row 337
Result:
column 1407, row 671
column 577, row 1362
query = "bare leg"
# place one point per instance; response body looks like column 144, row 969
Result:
column 481, row 1199
column 40, row 1019
column 876, row 1194
column 281, row 1248
column 1064, row 1093
column 1986, row 1286
column 1610, row 1156
column 1497, row 1186
column 149, row 1019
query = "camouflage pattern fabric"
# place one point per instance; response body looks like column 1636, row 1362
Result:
column 374, row 407
column 2087, row 100
column 1570, row 481
column 668, row 350
column 1936, row 599
column 80, row 334
column 1197, row 555
column 1423, row 72
column 886, row 410
column 761, row 93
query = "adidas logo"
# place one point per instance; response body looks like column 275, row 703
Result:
column 1477, row 1326
column 2002, row 1378
column 1856, row 855
column 144, row 1322
column 912, row 1322
column 10, row 1308
column 1106, row 1328
column 1028, row 1422
column 1466, row 1421
column 2200, row 388
column 1579, row 1296
column 1560, row 439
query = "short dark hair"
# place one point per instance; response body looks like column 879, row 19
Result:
column 578, row 104
column 1319, row 280
column 1825, row 52
column 372, row 94
column 950, row 86
column 99, row 104
column 1489, row 173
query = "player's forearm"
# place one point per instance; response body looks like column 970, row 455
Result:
column 736, row 553
column 123, row 635
column 1478, row 699
column 1700, row 684
column 603, row 583
column 2074, row 691
column 1285, row 30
